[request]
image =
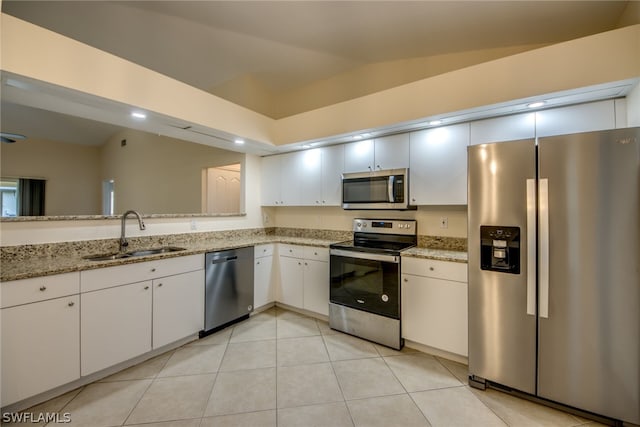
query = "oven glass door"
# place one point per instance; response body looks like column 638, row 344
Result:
column 371, row 285
column 373, row 189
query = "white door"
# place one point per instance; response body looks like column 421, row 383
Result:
column 310, row 168
column 178, row 307
column 358, row 156
column 270, row 180
column 223, row 189
column 263, row 282
column 291, row 288
column 438, row 169
column 332, row 169
column 316, row 286
column 290, row 182
column 115, row 325
column 392, row 152
column 40, row 347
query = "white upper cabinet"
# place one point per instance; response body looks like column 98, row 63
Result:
column 389, row 152
column 290, row 182
column 392, row 152
column 499, row 129
column 576, row 118
column 358, row 156
column 310, row 166
column 438, row 166
column 271, row 172
column 332, row 169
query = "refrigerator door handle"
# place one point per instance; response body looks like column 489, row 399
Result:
column 531, row 247
column 543, row 260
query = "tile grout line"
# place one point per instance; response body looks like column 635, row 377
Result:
column 344, row 400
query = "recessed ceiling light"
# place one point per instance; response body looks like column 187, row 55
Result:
column 138, row 115
column 536, row 104
column 435, row 122
column 239, row 141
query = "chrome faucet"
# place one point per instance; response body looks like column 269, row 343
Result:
column 123, row 240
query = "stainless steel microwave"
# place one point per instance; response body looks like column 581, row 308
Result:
column 384, row 189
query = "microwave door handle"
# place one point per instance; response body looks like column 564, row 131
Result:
column 390, row 186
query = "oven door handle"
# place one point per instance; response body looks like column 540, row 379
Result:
column 365, row 255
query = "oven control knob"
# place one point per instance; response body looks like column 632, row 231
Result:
column 358, row 224
column 385, row 298
column 364, row 225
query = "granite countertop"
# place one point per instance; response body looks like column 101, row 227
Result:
column 437, row 254
column 37, row 266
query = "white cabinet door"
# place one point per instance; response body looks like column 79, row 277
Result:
column 310, row 167
column 316, row 286
column 290, row 182
column 291, row 287
column 576, row 118
column 392, row 152
column 332, row 169
column 438, row 167
column 434, row 313
column 115, row 325
column 270, row 177
column 40, row 347
column 499, row 129
column 263, row 281
column 358, row 156
column 178, row 307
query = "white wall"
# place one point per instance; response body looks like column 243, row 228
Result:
column 33, row 232
column 633, row 107
column 335, row 218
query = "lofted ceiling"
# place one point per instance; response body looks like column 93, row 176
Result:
column 284, row 57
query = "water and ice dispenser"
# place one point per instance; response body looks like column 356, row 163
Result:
column 500, row 249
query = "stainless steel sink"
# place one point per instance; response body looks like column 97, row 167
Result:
column 154, row 251
column 138, row 253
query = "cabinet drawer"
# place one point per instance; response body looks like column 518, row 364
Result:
column 262, row 250
column 24, row 291
column 316, row 253
column 436, row 269
column 92, row 280
column 293, row 251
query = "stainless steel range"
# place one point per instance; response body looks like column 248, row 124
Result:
column 364, row 298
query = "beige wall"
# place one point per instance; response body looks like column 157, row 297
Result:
column 335, row 218
column 158, row 174
column 72, row 172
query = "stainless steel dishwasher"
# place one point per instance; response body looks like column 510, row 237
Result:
column 228, row 288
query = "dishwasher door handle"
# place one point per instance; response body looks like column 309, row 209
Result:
column 225, row 259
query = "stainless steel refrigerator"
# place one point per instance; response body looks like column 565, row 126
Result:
column 554, row 269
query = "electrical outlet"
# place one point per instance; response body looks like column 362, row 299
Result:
column 444, row 222
column 265, row 218
column 193, row 224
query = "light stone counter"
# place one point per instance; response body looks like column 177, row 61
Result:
column 437, row 254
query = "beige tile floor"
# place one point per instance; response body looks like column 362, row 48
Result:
column 283, row 369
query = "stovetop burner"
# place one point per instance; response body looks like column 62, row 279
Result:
column 381, row 236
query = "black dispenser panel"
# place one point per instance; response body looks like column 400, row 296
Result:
column 500, row 249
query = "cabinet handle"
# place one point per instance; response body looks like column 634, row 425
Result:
column 264, row 250
column 369, row 167
column 406, row 280
column 315, row 253
column 430, row 268
column 324, row 201
column 317, row 202
column 299, row 263
column 159, row 284
column 43, row 288
column 290, row 250
column 71, row 304
column 413, row 199
column 146, row 287
column 378, row 166
column 153, row 270
column 258, row 262
column 306, row 263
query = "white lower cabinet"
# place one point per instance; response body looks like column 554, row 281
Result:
column 434, row 309
column 304, row 278
column 120, row 320
column 178, row 307
column 264, row 276
column 116, row 325
column 290, row 289
column 40, row 347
